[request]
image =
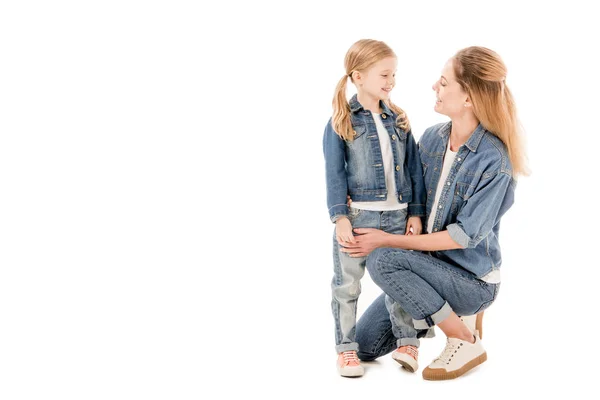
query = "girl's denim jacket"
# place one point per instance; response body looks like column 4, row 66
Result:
column 355, row 167
column 479, row 190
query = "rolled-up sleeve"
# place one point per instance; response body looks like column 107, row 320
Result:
column 483, row 210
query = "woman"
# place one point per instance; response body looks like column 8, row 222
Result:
column 470, row 165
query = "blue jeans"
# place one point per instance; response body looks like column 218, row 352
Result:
column 377, row 337
column 348, row 271
column 427, row 288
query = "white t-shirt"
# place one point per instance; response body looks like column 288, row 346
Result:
column 491, row 277
column 391, row 202
column 448, row 161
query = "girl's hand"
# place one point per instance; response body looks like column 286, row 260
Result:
column 343, row 231
column 414, row 226
column 349, row 201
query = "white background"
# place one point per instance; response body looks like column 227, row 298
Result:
column 163, row 225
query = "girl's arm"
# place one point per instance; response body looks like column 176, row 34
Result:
column 335, row 172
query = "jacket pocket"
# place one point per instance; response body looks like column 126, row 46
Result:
column 359, row 130
column 462, row 193
column 400, row 132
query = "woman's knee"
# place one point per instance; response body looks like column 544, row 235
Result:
column 385, row 260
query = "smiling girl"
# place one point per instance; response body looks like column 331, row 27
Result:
column 371, row 155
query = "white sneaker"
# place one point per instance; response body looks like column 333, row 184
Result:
column 348, row 364
column 407, row 357
column 457, row 358
column 474, row 323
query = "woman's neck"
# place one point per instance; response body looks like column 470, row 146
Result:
column 369, row 102
column 462, row 129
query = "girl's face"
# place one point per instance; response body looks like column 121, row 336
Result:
column 379, row 80
column 451, row 99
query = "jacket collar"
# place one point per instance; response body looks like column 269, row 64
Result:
column 355, row 106
column 473, row 141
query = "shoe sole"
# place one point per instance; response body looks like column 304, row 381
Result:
column 435, row 374
column 406, row 365
column 351, row 373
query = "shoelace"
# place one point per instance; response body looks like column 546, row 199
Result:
column 450, row 349
column 350, row 356
column 411, row 351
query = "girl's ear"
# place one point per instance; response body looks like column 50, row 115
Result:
column 356, row 77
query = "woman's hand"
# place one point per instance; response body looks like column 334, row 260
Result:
column 343, row 231
column 414, row 226
column 366, row 241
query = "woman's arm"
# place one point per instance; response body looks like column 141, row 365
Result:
column 368, row 239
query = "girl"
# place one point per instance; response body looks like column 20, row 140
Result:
column 470, row 166
column 371, row 155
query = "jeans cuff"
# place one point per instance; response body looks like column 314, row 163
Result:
column 408, row 342
column 434, row 318
column 346, row 347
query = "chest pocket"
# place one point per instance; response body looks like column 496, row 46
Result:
column 462, row 193
column 400, row 133
column 359, row 131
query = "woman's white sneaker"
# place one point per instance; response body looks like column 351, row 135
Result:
column 458, row 357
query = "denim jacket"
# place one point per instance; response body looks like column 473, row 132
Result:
column 355, row 167
column 479, row 190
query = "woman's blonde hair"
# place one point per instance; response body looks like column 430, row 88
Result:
column 482, row 74
column 360, row 57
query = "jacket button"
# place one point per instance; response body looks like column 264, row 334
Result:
column 383, row 116
column 393, row 137
column 397, row 168
column 354, row 133
column 435, row 230
column 400, row 197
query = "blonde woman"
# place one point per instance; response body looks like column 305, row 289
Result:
column 470, row 167
column 371, row 155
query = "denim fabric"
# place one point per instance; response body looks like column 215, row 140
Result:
column 348, row 271
column 428, row 288
column 479, row 190
column 376, row 336
column 355, row 167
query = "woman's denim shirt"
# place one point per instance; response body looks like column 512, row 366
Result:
column 355, row 167
column 479, row 190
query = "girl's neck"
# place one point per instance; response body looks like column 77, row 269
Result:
column 369, row 102
column 462, row 129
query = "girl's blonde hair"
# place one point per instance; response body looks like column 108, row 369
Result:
column 482, row 74
column 360, row 57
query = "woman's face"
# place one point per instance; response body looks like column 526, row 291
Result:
column 451, row 99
